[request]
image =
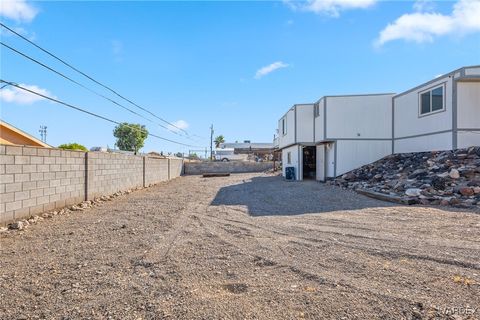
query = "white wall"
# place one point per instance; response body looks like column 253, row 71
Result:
column 330, row 159
column 468, row 115
column 466, row 139
column 319, row 134
column 289, row 137
column 325, row 161
column 352, row 154
column 468, row 105
column 304, row 122
column 294, row 150
column 436, row 142
column 355, row 118
column 320, row 164
column 303, row 126
column 358, row 117
column 407, row 121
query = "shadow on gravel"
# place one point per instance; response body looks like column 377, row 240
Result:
column 269, row 196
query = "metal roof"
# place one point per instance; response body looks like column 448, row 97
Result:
column 243, row 145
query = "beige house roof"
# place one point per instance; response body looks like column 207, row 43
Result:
column 11, row 135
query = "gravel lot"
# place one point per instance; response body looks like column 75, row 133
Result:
column 248, row 246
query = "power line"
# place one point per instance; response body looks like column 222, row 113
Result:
column 89, row 112
column 85, row 87
column 89, row 77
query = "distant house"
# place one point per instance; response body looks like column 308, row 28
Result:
column 260, row 150
column 11, row 135
column 441, row 114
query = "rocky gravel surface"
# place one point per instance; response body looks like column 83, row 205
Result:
column 429, row 178
column 248, row 246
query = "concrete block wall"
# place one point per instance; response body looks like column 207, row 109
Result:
column 156, row 170
column 35, row 180
column 230, row 167
column 111, row 172
column 176, row 167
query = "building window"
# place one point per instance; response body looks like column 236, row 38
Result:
column 316, row 109
column 432, row 101
column 284, row 126
column 289, row 158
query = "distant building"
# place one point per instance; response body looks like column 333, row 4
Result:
column 99, row 149
column 260, row 150
column 11, row 135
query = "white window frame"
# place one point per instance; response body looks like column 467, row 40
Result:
column 316, row 110
column 289, row 157
column 444, row 100
column 284, row 126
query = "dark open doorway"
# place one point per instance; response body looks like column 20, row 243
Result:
column 309, row 162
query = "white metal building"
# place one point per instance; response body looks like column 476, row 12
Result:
column 441, row 114
column 340, row 133
column 335, row 135
column 351, row 131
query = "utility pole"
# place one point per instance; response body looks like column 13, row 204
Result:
column 211, row 142
column 43, row 133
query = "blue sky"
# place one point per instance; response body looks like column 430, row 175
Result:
column 238, row 65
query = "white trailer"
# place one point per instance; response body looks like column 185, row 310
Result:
column 351, row 131
column 441, row 114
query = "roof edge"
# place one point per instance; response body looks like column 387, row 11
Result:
column 443, row 76
column 13, row 128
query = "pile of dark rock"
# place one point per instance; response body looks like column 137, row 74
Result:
column 429, row 178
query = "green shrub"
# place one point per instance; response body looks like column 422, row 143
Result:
column 72, row 146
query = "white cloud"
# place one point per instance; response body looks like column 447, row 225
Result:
column 18, row 10
column 424, row 6
column 330, row 7
column 178, row 125
column 270, row 68
column 425, row 26
column 18, row 96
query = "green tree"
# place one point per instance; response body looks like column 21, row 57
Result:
column 219, row 139
column 130, row 136
column 72, row 146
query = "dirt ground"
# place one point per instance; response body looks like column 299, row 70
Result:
column 248, row 246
